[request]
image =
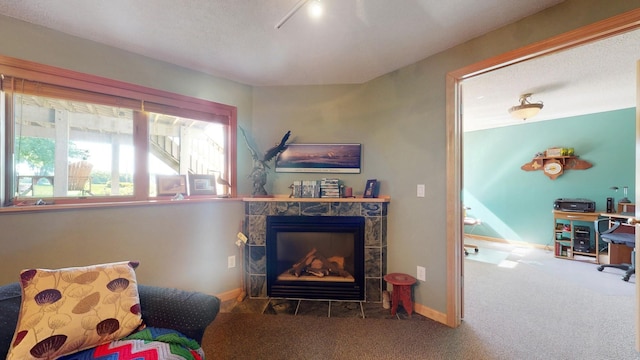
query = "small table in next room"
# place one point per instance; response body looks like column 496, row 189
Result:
column 574, row 236
column 401, row 291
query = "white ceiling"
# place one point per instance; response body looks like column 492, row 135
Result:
column 355, row 41
column 592, row 78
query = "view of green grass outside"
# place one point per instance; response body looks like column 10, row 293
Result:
column 43, row 189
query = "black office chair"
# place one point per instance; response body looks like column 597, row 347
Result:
column 621, row 238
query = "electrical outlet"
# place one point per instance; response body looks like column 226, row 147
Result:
column 422, row 273
column 420, row 190
column 231, row 262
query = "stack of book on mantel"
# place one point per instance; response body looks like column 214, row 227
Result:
column 325, row 188
column 330, row 188
column 306, row 188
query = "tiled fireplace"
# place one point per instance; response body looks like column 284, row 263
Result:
column 260, row 281
column 315, row 257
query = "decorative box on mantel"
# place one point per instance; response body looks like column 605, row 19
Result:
column 373, row 210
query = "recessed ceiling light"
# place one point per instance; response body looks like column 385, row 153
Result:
column 315, row 9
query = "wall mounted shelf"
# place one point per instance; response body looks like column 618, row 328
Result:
column 554, row 166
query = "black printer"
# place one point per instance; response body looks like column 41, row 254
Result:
column 576, row 205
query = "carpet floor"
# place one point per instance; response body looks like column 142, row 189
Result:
column 525, row 305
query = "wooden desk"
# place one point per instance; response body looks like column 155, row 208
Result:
column 566, row 232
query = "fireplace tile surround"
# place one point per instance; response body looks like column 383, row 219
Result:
column 373, row 210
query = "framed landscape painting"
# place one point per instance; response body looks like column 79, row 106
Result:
column 202, row 184
column 320, row 158
column 171, row 184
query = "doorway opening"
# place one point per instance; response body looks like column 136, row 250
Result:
column 455, row 234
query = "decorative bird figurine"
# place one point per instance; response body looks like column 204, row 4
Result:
column 269, row 154
column 274, row 151
column 222, row 181
column 259, row 173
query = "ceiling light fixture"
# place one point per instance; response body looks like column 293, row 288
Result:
column 526, row 109
column 315, row 10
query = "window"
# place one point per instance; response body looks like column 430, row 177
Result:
column 73, row 137
column 181, row 146
column 72, row 149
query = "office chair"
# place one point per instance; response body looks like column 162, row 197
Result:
column 472, row 222
column 618, row 238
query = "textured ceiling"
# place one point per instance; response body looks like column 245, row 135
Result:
column 592, row 78
column 354, row 42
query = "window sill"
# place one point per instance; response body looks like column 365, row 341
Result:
column 56, row 207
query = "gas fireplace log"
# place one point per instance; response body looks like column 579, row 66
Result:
column 318, row 272
column 339, row 260
column 333, row 267
column 299, row 267
column 316, row 264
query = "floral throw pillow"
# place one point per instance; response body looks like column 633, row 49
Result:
column 67, row 310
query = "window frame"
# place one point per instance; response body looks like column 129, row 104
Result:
column 68, row 84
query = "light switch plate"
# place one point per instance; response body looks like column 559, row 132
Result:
column 422, row 273
column 421, row 190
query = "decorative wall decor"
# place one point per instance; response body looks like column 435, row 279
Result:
column 259, row 173
column 371, row 189
column 202, row 184
column 554, row 161
column 171, row 184
column 320, row 158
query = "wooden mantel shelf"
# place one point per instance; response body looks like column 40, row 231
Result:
column 286, row 198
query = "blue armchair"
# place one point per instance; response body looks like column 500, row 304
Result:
column 185, row 311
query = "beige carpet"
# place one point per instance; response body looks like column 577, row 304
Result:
column 541, row 308
column 254, row 336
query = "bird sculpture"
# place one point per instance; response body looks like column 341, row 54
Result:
column 222, row 181
column 226, row 188
column 280, row 147
column 259, row 173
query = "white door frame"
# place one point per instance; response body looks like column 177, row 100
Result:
column 455, row 275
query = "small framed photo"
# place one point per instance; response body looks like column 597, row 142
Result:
column 202, row 184
column 371, row 189
column 171, row 184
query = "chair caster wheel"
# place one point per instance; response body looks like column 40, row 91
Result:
column 626, row 278
column 466, row 253
column 600, row 268
column 476, row 250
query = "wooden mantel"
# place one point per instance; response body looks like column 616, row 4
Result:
column 286, row 198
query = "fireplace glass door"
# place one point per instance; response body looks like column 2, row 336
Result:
column 315, row 257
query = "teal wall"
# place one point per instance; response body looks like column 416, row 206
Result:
column 517, row 205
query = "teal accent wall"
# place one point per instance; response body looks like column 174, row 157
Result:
column 517, row 205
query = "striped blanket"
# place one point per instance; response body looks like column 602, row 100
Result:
column 148, row 344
